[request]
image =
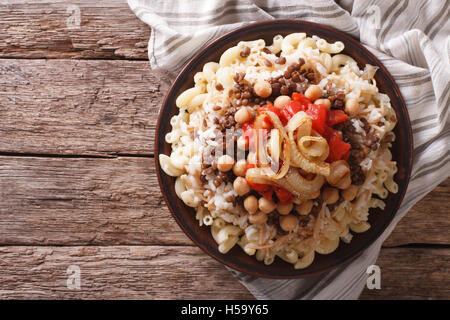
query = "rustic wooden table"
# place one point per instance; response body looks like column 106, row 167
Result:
column 77, row 179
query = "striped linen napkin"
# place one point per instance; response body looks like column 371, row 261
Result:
column 410, row 37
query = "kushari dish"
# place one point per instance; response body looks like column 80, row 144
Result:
column 282, row 149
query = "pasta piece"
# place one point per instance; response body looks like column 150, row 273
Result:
column 275, row 47
column 185, row 98
column 290, row 256
column 230, row 57
column 180, row 187
column 341, row 60
column 327, row 246
column 359, row 227
column 291, row 41
column 190, row 199
column 305, row 261
column 196, row 102
column 168, row 167
column 324, row 46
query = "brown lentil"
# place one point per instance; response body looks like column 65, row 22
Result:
column 287, row 74
column 245, row 52
column 280, row 60
column 290, row 68
column 310, row 76
column 296, row 66
column 295, row 76
column 239, row 77
column 284, row 90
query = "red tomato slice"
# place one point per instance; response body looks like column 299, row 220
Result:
column 263, row 189
column 269, row 108
column 267, row 194
column 247, row 132
column 267, row 123
column 290, row 109
column 260, row 187
column 335, row 117
column 263, row 122
column 318, row 115
column 338, row 149
column 301, row 98
column 283, row 195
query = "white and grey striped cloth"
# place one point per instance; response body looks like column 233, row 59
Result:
column 410, row 37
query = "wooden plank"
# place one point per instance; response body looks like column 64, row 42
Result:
column 52, row 29
column 167, row 272
column 64, row 201
column 412, row 273
column 78, row 107
column 427, row 222
column 124, row 272
column 79, row 201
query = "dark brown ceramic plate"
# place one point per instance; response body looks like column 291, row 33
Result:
column 379, row 219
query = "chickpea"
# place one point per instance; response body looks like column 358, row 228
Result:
column 257, row 218
column 281, row 101
column 330, row 195
column 285, row 209
column 352, row 107
column 263, row 88
column 313, row 92
column 325, row 102
column 345, row 182
column 239, row 167
column 289, row 222
column 304, row 208
column 240, row 186
column 242, row 143
column 266, row 206
column 242, row 115
column 349, row 193
column 225, row 163
column 251, row 204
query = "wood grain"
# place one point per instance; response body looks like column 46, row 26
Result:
column 124, row 272
column 412, row 273
column 78, row 107
column 65, row 201
column 168, row 272
column 427, row 222
column 48, row 29
column 81, row 201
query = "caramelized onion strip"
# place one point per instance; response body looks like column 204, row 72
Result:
column 298, row 159
column 315, row 148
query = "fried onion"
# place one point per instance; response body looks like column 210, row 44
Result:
column 301, row 186
column 301, row 121
column 315, row 148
